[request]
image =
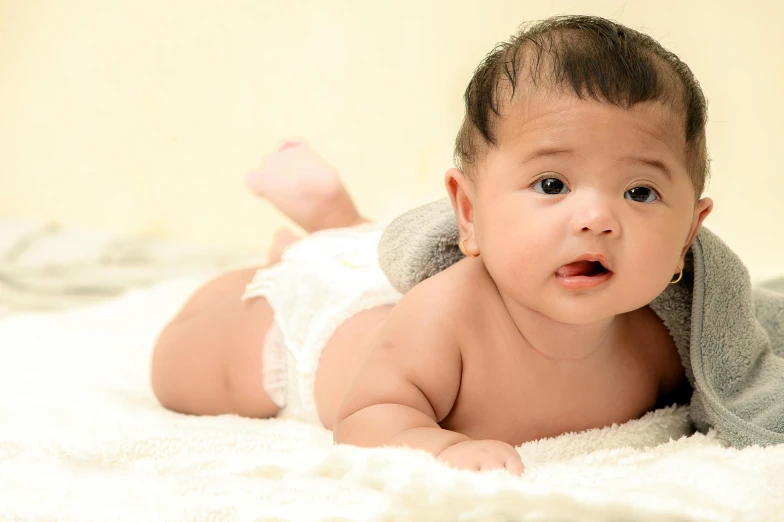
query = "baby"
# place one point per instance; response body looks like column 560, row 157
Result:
column 580, row 166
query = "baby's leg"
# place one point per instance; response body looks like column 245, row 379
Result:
column 208, row 359
column 283, row 238
column 304, row 187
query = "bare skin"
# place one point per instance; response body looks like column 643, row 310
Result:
column 207, row 359
column 445, row 370
column 518, row 341
column 490, row 385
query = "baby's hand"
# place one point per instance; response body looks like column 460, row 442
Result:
column 482, row 455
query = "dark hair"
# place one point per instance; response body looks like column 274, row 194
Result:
column 595, row 58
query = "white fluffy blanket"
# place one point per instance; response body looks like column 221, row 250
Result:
column 82, row 438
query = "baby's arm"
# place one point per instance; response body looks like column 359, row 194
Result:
column 409, row 384
column 406, row 386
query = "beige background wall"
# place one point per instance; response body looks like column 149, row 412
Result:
column 143, row 116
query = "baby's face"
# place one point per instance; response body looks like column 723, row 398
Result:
column 578, row 177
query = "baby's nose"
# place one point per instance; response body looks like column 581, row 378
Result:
column 597, row 218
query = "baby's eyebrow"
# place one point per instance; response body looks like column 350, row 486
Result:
column 542, row 152
column 545, row 152
column 659, row 165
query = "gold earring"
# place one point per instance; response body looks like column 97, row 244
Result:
column 680, row 276
column 464, row 251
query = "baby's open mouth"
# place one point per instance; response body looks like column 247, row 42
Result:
column 581, row 268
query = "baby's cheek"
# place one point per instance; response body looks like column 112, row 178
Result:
column 515, row 267
column 639, row 290
column 651, row 269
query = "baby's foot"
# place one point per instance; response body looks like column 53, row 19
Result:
column 304, row 187
column 283, row 238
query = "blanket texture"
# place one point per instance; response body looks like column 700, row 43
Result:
column 730, row 336
column 82, row 438
column 47, row 266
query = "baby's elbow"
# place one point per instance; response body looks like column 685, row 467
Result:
column 338, row 433
column 341, row 428
column 358, row 428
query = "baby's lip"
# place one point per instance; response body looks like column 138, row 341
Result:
column 592, row 256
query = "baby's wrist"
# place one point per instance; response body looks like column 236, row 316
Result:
column 433, row 440
column 452, row 445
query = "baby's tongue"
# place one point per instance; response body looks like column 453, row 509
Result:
column 579, row 268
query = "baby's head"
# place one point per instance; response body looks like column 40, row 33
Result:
column 581, row 137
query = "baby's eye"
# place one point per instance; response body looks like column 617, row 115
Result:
column 642, row 195
column 550, row 186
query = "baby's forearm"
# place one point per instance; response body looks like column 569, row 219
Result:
column 394, row 425
column 432, row 440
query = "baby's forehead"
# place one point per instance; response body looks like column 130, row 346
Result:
column 557, row 112
column 569, row 126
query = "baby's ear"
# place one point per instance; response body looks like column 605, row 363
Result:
column 461, row 194
column 701, row 211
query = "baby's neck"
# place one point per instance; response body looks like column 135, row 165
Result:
column 567, row 343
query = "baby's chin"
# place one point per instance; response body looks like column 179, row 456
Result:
column 580, row 314
column 586, row 309
column 578, row 319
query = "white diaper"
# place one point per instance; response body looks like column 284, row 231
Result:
column 321, row 281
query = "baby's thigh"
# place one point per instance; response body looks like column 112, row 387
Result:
column 342, row 358
column 209, row 362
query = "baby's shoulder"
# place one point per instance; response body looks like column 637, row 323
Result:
column 452, row 290
column 427, row 320
column 441, row 307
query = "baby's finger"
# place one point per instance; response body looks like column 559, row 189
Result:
column 514, row 465
column 491, row 463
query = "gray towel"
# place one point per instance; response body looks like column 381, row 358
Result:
column 730, row 336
